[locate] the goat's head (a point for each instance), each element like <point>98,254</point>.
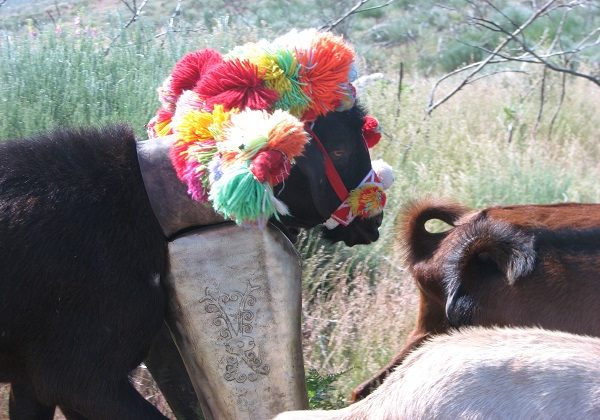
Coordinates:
<point>311,194</point>
<point>272,131</point>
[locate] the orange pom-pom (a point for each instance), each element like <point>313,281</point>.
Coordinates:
<point>287,136</point>
<point>325,67</point>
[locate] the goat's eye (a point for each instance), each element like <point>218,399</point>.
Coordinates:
<point>337,154</point>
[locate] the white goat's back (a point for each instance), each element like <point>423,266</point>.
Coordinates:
<point>479,373</point>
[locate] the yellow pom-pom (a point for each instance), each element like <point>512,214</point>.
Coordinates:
<point>194,127</point>
<point>274,76</point>
<point>202,126</point>
<point>367,200</point>
<point>163,128</point>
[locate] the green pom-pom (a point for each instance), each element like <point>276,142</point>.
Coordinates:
<point>239,196</point>
<point>292,97</point>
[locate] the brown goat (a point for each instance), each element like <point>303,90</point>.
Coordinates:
<point>526,265</point>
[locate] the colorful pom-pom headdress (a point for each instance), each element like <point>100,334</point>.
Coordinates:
<point>239,120</point>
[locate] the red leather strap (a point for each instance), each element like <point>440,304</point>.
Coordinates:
<point>332,174</point>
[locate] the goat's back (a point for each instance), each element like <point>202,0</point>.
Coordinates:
<point>480,373</point>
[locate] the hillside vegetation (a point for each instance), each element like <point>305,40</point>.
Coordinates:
<point>512,137</point>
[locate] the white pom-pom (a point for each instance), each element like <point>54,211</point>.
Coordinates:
<point>384,171</point>
<point>280,207</point>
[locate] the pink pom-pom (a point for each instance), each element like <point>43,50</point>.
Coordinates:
<point>235,84</point>
<point>163,115</point>
<point>191,68</point>
<point>270,166</point>
<point>194,181</point>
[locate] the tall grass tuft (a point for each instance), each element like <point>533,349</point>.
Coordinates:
<point>67,78</point>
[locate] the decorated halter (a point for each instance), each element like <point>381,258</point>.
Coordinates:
<point>241,120</point>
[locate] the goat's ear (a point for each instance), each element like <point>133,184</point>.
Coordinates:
<point>485,241</point>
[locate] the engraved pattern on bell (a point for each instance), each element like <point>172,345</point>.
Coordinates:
<point>232,314</point>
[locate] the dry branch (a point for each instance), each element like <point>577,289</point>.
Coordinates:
<point>399,91</point>
<point>355,9</point>
<point>522,51</point>
<point>477,67</point>
<point>171,26</point>
<point>136,11</point>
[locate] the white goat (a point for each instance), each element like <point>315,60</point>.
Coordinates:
<point>482,373</point>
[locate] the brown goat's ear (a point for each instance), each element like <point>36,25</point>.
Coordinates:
<point>420,244</point>
<point>486,241</point>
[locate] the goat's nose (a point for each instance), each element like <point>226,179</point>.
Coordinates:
<point>378,219</point>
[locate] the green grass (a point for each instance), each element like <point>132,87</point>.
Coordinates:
<point>52,80</point>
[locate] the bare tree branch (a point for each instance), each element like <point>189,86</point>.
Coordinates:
<point>538,120</point>
<point>132,8</point>
<point>177,31</point>
<point>494,73</point>
<point>49,13</point>
<point>489,3</point>
<point>136,11</point>
<point>433,105</point>
<point>563,90</point>
<point>525,57</point>
<point>542,60</point>
<point>237,10</point>
<point>399,94</point>
<point>561,25</point>
<point>171,26</point>
<point>355,9</point>
<point>515,48</point>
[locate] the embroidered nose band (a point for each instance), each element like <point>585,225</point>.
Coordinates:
<point>366,200</point>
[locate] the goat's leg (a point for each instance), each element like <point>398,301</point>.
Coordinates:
<point>24,405</point>
<point>120,402</point>
<point>166,366</point>
<point>71,415</point>
<point>365,388</point>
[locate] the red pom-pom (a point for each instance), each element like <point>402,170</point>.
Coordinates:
<point>179,158</point>
<point>191,68</point>
<point>370,131</point>
<point>270,166</point>
<point>163,115</point>
<point>235,84</point>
